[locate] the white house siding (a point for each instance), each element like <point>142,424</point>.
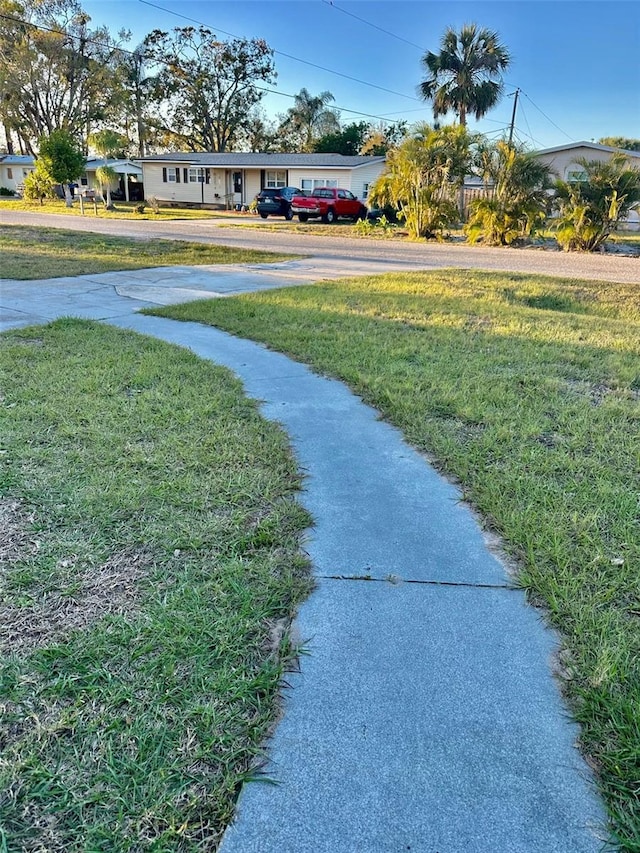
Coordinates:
<point>220,190</point>
<point>251,184</point>
<point>365,175</point>
<point>341,176</point>
<point>18,173</point>
<point>564,165</point>
<point>154,186</point>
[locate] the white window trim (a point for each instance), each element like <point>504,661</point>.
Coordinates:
<point>273,179</point>
<point>196,175</point>
<point>171,174</point>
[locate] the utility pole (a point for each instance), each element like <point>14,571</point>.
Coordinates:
<point>513,115</point>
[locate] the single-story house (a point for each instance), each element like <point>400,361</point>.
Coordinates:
<point>562,160</point>
<point>234,179</point>
<point>14,168</point>
<point>128,186</point>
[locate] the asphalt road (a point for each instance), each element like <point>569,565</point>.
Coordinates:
<point>357,255</point>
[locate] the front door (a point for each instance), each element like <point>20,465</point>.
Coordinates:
<point>235,187</point>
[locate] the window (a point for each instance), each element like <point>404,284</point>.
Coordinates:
<point>196,176</point>
<point>171,174</point>
<point>331,183</point>
<point>276,179</point>
<point>9,173</point>
<point>306,184</point>
<point>576,175</point>
<point>365,190</point>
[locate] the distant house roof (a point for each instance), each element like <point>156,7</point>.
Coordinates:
<point>594,146</point>
<point>122,166</point>
<point>17,160</point>
<point>264,161</point>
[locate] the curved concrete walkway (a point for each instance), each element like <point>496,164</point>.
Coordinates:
<point>424,717</point>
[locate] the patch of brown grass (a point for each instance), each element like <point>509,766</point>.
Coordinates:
<point>51,614</point>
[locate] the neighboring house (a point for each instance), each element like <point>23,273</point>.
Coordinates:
<point>14,168</point>
<point>127,187</point>
<point>562,160</point>
<point>230,180</point>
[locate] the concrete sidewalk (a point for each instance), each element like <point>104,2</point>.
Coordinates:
<point>424,717</point>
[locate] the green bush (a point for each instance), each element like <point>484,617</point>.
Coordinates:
<point>516,203</point>
<point>5,191</point>
<point>140,208</point>
<point>590,210</point>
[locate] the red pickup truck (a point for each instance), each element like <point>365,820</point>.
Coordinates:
<point>328,203</point>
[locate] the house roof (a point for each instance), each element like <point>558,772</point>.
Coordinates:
<point>594,146</point>
<point>124,165</point>
<point>264,161</point>
<point>17,159</point>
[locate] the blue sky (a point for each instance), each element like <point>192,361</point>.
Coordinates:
<point>577,63</point>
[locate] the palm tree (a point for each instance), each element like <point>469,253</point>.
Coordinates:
<point>107,143</point>
<point>106,176</point>
<point>516,200</point>
<point>421,177</point>
<point>465,76</point>
<point>309,118</point>
<point>590,209</point>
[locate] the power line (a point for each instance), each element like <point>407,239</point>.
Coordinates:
<point>548,119</point>
<point>282,53</point>
<point>530,135</point>
<point>163,62</point>
<point>369,24</point>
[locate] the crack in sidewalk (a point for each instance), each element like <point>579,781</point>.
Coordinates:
<point>395,579</point>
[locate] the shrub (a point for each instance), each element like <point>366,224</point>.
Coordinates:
<point>140,208</point>
<point>422,179</point>
<point>517,196</point>
<point>154,204</point>
<point>5,191</point>
<point>39,185</point>
<point>592,208</point>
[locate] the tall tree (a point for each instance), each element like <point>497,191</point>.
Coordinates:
<point>348,141</point>
<point>136,84</point>
<point>108,143</point>
<point>60,157</point>
<point>309,119</point>
<point>465,76</point>
<point>383,136</point>
<point>56,73</point>
<point>621,142</point>
<point>260,133</point>
<point>205,87</point>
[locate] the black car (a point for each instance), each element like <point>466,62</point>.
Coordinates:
<point>276,202</point>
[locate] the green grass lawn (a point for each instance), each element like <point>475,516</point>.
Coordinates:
<point>32,253</point>
<point>123,210</point>
<point>149,567</point>
<point>527,391</point>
